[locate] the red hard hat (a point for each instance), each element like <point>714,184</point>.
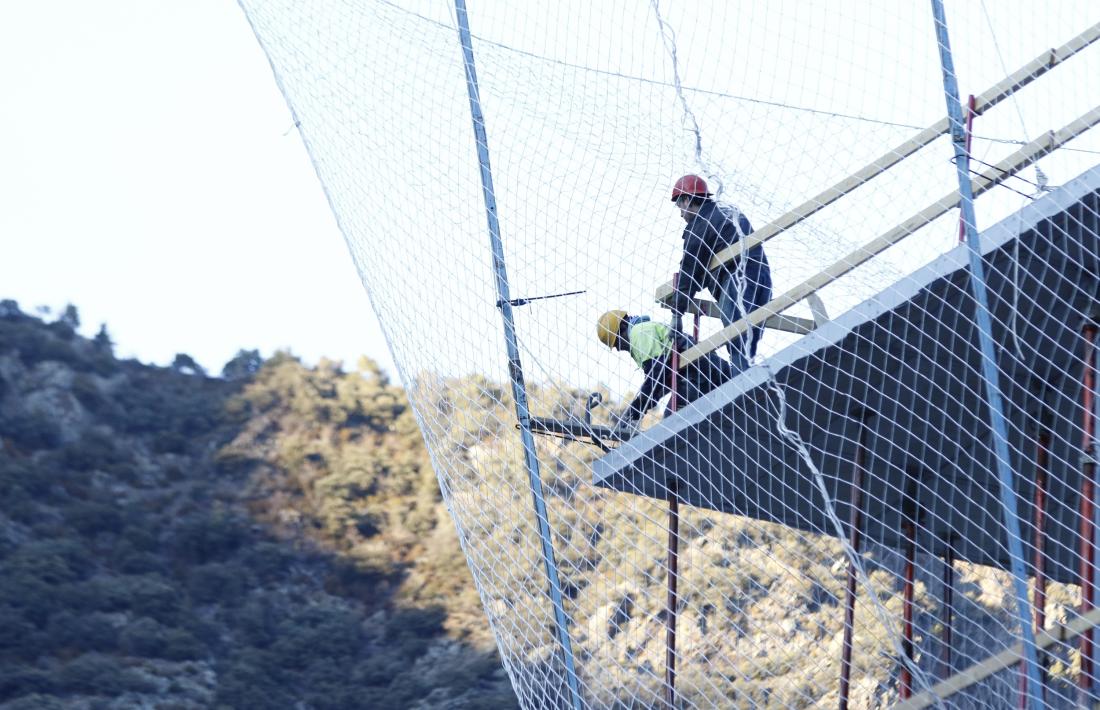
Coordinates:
<point>690,185</point>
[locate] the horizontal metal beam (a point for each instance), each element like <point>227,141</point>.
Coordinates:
<point>789,324</point>
<point>986,100</point>
<point>571,427</point>
<point>1011,165</point>
<point>979,671</point>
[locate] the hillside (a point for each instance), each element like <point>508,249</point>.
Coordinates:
<point>272,538</point>
<point>275,538</point>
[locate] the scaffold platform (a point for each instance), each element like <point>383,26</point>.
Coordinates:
<point>899,376</point>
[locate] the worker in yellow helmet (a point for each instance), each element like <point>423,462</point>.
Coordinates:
<point>650,344</point>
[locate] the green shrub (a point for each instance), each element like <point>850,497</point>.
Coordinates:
<point>50,561</point>
<point>96,674</point>
<point>145,594</point>
<point>169,442</point>
<point>69,632</point>
<point>91,519</point>
<point>139,535</point>
<point>19,680</point>
<point>317,633</point>
<point>19,636</point>
<point>31,431</point>
<point>88,393</point>
<point>37,702</point>
<point>146,638</point>
<point>256,623</point>
<point>152,595</point>
<point>250,681</point>
<point>20,476</point>
<point>95,450</point>
<point>32,598</point>
<point>208,538</point>
<point>36,344</point>
<point>137,562</point>
<point>216,582</point>
<point>267,561</point>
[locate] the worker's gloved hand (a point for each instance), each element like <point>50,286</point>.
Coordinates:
<point>680,303</point>
<point>625,427</point>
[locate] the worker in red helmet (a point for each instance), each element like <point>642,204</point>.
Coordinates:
<point>741,285</point>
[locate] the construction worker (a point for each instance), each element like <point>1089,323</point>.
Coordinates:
<point>741,285</point>
<point>650,344</point>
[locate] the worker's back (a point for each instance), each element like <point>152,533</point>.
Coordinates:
<point>648,340</point>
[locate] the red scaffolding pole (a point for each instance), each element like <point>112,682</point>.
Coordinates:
<point>907,610</point>
<point>854,540</point>
<point>948,608</point>
<point>671,601</point>
<point>1042,457</point>
<point>1085,678</point>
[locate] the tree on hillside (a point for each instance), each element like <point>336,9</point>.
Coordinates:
<point>243,365</point>
<point>185,364</point>
<point>102,340</point>
<point>9,309</point>
<point>70,316</point>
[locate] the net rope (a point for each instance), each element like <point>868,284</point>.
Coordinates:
<point>592,111</point>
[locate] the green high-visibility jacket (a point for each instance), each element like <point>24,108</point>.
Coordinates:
<point>651,348</point>
<point>648,340</point>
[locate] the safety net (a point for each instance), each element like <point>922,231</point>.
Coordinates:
<point>875,299</point>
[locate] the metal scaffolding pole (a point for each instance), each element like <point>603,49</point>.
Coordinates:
<point>907,610</point>
<point>947,607</point>
<point>1042,459</point>
<point>672,600</point>
<point>515,368</point>
<point>990,371</point>
<point>1086,679</point>
<point>854,540</point>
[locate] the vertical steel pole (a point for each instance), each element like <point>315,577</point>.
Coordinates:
<point>990,371</point>
<point>1042,457</point>
<point>907,608</point>
<point>854,539</point>
<point>672,600</point>
<point>1085,679</point>
<point>971,105</point>
<point>515,368</point>
<point>948,608</point>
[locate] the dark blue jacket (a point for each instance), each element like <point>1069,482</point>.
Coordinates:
<point>713,229</point>
<point>695,380</point>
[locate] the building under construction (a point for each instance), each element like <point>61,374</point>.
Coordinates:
<point>895,504</point>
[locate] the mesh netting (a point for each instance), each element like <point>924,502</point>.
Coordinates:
<point>834,517</point>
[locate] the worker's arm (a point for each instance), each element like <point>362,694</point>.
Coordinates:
<point>693,264</point>
<point>654,387</point>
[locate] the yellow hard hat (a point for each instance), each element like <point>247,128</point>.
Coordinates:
<point>607,327</point>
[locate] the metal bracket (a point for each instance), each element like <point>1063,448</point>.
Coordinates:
<point>817,308</point>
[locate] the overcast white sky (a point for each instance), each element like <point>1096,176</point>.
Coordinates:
<point>150,176</point>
